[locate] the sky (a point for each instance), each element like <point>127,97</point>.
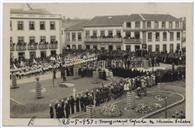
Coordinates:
<point>89,10</point>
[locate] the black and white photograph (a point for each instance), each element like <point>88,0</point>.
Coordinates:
<point>95,64</point>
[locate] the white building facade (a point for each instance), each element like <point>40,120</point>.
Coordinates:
<point>34,34</point>
<point>156,33</point>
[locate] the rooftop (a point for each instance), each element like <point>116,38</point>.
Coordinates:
<point>100,21</point>
<point>77,27</point>
<point>30,11</point>
<point>159,17</point>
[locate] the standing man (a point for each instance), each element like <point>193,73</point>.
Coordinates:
<point>54,73</point>
<point>67,108</point>
<point>51,111</point>
<point>72,102</point>
<point>77,103</point>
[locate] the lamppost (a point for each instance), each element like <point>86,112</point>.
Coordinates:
<point>164,98</point>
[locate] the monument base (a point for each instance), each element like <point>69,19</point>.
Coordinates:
<point>14,87</point>
<point>66,85</point>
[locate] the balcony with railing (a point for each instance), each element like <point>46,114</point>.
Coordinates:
<point>43,45</point>
<point>133,41</point>
<point>53,45</point>
<point>21,46</point>
<point>32,46</point>
<point>101,39</point>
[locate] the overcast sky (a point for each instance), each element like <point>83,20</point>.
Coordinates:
<point>89,10</point>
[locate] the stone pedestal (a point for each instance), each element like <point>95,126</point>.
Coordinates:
<point>14,82</point>
<point>145,63</point>
<point>95,74</point>
<point>90,112</point>
<point>38,90</point>
<point>76,72</point>
<point>130,99</point>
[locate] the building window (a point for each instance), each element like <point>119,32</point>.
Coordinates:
<point>87,34</point>
<point>10,25</point>
<point>149,24</point>
<point>164,36</point>
<point>73,36</point>
<point>149,48</point>
<point>157,48</point>
<point>87,47</point>
<point>102,33</point>
<point>137,24</point>
<point>171,48</point>
<point>177,24</point>
<point>42,38</point>
<point>52,25</point>
<point>73,46</point>
<point>178,35</point>
<point>79,36</point>
<point>52,39</point>
<point>170,24</point>
<point>149,36</point>
<point>128,24</point>
<point>163,24</point>
<point>110,33</point>
<point>164,48</point>
<point>118,33</point>
<point>32,39</point>
<point>67,36</point>
<point>68,46</point>
<point>156,24</point>
<point>42,25</point>
<point>31,25</point>
<point>171,36</point>
<point>11,41</point>
<point>157,36</point>
<point>178,46</point>
<point>128,47</point>
<point>20,25</point>
<point>118,47</point>
<point>137,35</point>
<point>95,47</point>
<point>127,34</point>
<point>20,39</point>
<point>79,46</point>
<point>94,34</point>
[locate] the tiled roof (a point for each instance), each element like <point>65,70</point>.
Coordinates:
<point>159,17</point>
<point>118,20</point>
<point>78,26</point>
<point>101,21</point>
<point>135,17</point>
<point>30,11</point>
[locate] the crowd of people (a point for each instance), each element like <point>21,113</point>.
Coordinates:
<point>121,63</point>
<point>64,108</point>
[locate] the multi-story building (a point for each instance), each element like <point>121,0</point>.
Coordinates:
<point>154,32</point>
<point>74,36</point>
<point>34,33</point>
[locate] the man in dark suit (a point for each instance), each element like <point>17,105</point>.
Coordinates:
<point>77,103</point>
<point>82,102</point>
<point>67,108</point>
<point>51,111</point>
<point>72,102</point>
